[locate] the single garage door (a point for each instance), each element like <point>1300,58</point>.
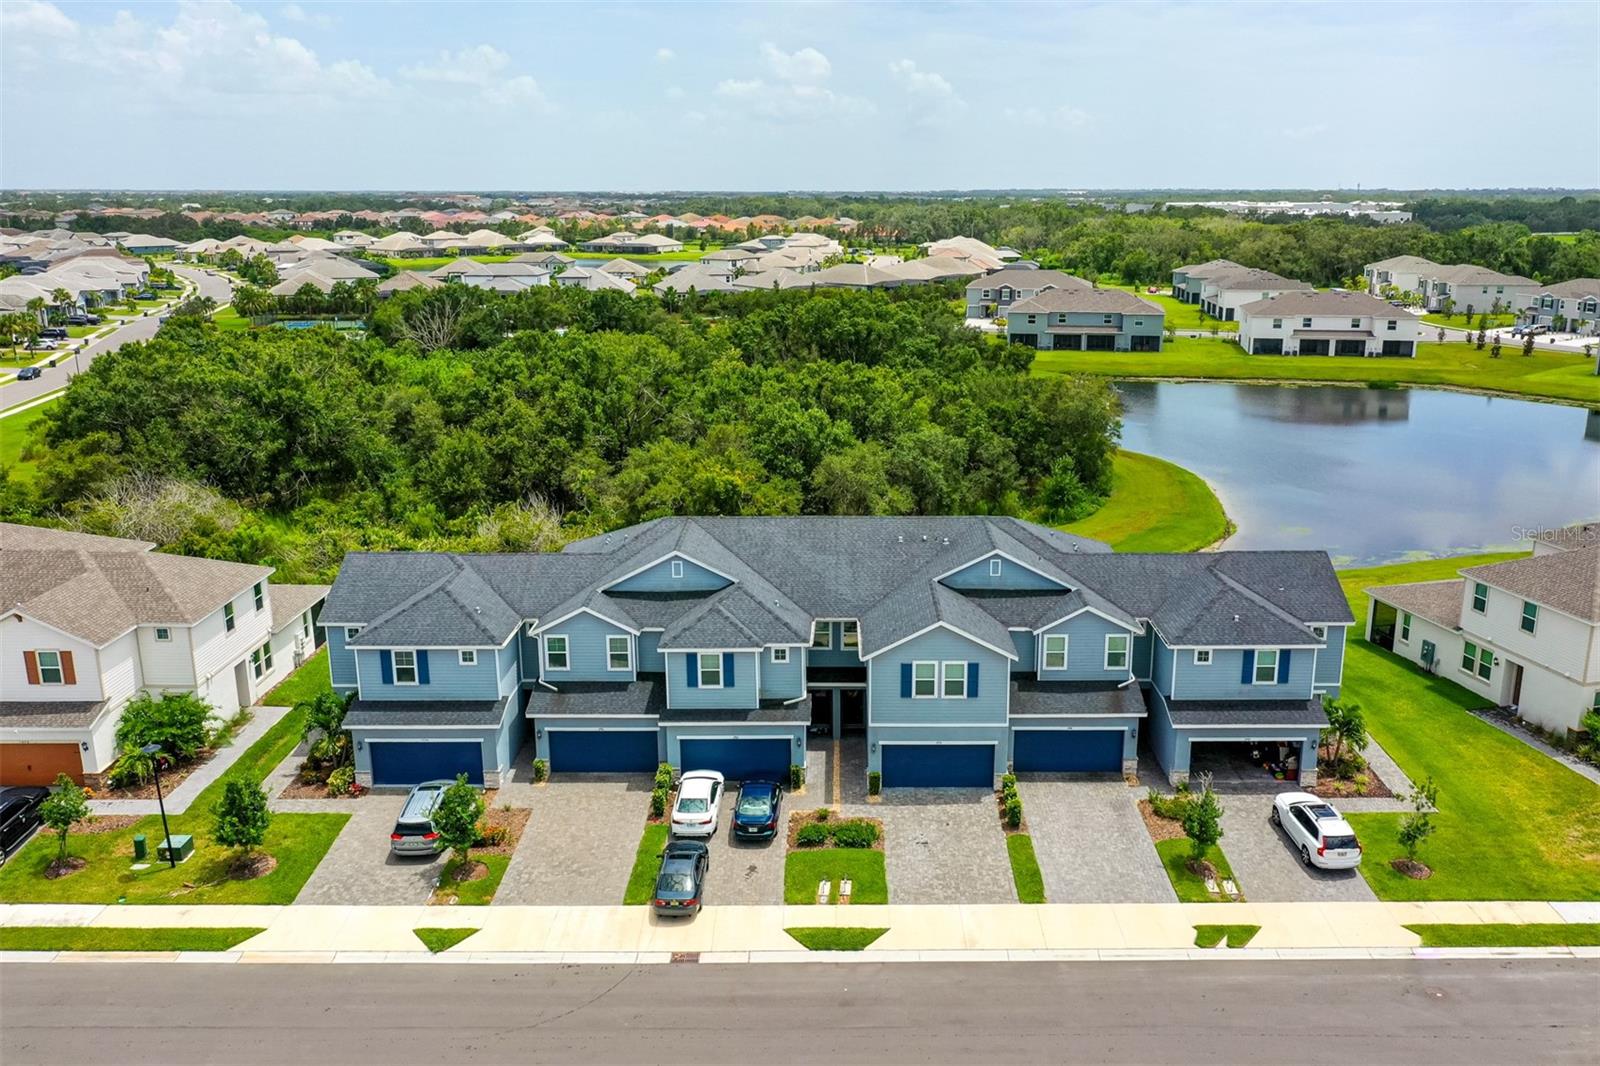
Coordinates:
<point>38,764</point>
<point>938,766</point>
<point>751,759</point>
<point>599,751</point>
<point>1067,750</point>
<point>412,762</point>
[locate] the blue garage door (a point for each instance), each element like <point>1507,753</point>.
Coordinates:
<point>1068,750</point>
<point>592,751</point>
<point>766,759</point>
<point>395,763</point>
<point>938,765</point>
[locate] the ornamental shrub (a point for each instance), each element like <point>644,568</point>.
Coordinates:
<point>811,835</point>
<point>856,833</point>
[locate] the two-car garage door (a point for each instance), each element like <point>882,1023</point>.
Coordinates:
<point>938,765</point>
<point>599,751</point>
<point>1067,750</point>
<point>396,762</point>
<point>738,758</point>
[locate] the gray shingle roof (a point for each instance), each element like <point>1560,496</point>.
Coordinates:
<point>369,713</point>
<point>647,695</point>
<point>1306,714</point>
<point>1091,301</point>
<point>1033,697</point>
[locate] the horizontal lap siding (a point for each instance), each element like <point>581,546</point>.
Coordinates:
<point>1023,643</point>
<point>447,678</point>
<point>741,694</point>
<point>1086,650</point>
<point>586,650</point>
<point>1330,660</point>
<point>885,704</point>
<point>650,658</point>
<point>835,654</point>
<point>341,660</point>
<point>1220,680</point>
<point>1012,576</point>
<point>782,681</point>
<point>659,578</point>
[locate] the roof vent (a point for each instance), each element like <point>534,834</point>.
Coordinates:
<point>924,538</point>
<point>946,541</point>
<point>1235,618</point>
<point>899,538</point>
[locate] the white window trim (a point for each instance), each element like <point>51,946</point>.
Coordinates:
<point>676,567</point>
<point>777,651</point>
<point>1524,618</point>
<point>167,639</point>
<point>1463,659</point>
<point>925,662</point>
<point>1472,598</point>
<point>1044,652</point>
<point>827,628</point>
<point>416,676</point>
<point>61,672</point>
<point>1127,651</point>
<point>229,618</point>
<point>1320,632</point>
<point>1405,627</point>
<point>995,567</point>
<point>1207,661</point>
<point>255,662</point>
<point>945,680</point>
<point>715,658</point>
<point>258,595</point>
<point>467,657</point>
<point>1255,667</point>
<point>566,652</point>
<point>846,643</point>
<point>627,651</point>
<point>351,633</point>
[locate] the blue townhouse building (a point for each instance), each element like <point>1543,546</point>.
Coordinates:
<point>959,647</point>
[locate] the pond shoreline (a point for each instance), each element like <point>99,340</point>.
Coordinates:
<point>1318,383</point>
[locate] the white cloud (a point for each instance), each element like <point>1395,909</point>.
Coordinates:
<point>32,18</point>
<point>665,55</point>
<point>806,65</point>
<point>1062,116</point>
<point>1305,133</point>
<point>921,82</point>
<point>931,100</point>
<point>296,13</point>
<point>482,68</point>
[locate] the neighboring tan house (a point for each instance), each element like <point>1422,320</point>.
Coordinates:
<point>1569,306</point>
<point>1086,319</point>
<point>92,621</point>
<point>1523,634</point>
<point>1327,323</point>
<point>992,295</point>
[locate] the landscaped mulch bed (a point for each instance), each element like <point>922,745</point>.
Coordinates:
<point>513,821</point>
<point>1158,827</point>
<point>171,778</point>
<point>310,790</point>
<point>797,819</point>
<point>1365,784</point>
<point>1000,809</point>
<point>64,867</point>
<point>1415,870</point>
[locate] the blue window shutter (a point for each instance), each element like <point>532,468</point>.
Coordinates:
<point>1283,667</point>
<point>972,681</point>
<point>692,661</point>
<point>422,666</point>
<point>727,669</point>
<point>905,681</point>
<point>386,666</point>
<point>1248,670</point>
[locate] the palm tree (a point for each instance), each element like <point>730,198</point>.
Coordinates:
<point>62,298</point>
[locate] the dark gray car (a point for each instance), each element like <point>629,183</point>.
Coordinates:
<point>413,830</point>
<point>680,886</point>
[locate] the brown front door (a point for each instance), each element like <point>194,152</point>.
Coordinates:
<point>1516,684</point>
<point>38,764</point>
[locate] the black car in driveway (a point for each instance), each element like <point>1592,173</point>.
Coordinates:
<point>680,886</point>
<point>755,812</point>
<point>19,815</point>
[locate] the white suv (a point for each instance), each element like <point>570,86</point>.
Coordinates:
<point>1323,838</point>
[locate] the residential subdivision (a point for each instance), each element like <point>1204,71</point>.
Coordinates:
<point>952,648</point>
<point>1460,286</point>
<point>1086,319</point>
<point>1569,306</point>
<point>1327,323</point>
<point>93,621</point>
<point>992,295</point>
<point>1524,634</point>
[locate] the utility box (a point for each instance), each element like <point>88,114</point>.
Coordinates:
<point>141,848</point>
<point>179,847</point>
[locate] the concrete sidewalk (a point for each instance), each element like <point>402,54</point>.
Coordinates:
<point>972,931</point>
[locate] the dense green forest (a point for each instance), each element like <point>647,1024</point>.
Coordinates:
<point>473,420</point>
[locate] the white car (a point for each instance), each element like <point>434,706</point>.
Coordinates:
<point>694,814</point>
<point>1323,838</point>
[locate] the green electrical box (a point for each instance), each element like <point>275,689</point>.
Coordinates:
<point>141,848</point>
<point>179,846</point>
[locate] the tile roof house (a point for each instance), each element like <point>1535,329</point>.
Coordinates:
<point>1077,318</point>
<point>1523,634</point>
<point>92,621</point>
<point>960,646</point>
<point>1327,323</point>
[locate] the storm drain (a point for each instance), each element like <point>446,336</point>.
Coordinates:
<point>685,956</point>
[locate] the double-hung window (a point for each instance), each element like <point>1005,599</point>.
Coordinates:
<point>50,668</point>
<point>1477,660</point>
<point>1055,651</point>
<point>1266,671</point>
<point>405,668</point>
<point>555,652</point>
<point>1480,597</point>
<point>822,634</point>
<point>1305,323</point>
<point>1530,616</point>
<point>1116,651</point>
<point>711,671</point>
<point>1405,627</point>
<point>618,654</point>
<point>255,662</point>
<point>260,595</point>
<point>850,635</point>
<point>227,617</point>
<point>924,680</point>
<point>1355,323</point>
<point>955,680</point>
<point>266,656</point>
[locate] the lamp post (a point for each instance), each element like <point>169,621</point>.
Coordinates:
<point>154,751</point>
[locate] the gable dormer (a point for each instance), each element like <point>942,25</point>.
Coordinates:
<point>1001,572</point>
<point>674,572</point>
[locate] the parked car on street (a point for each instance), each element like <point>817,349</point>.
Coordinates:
<point>680,885</point>
<point>1321,835</point>
<point>19,816</point>
<point>28,373</point>
<point>413,831</point>
<point>694,813</point>
<point>755,812</point>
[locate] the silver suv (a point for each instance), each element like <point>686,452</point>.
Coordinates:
<point>413,830</point>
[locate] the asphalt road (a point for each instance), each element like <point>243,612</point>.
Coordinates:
<point>1405,1011</point>
<point>137,329</point>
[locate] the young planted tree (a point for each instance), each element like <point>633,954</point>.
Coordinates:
<point>455,819</point>
<point>1417,827</point>
<point>1483,337</point>
<point>1494,349</point>
<point>61,810</point>
<point>1202,820</point>
<point>241,822</point>
<point>1527,344</point>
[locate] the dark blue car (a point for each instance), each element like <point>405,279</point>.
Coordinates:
<point>755,813</point>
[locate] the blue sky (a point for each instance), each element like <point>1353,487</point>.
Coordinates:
<point>797,96</point>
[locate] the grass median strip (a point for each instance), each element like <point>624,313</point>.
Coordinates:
<point>1508,935</point>
<point>1237,936</point>
<point>863,867</point>
<point>1025,868</point>
<point>107,938</point>
<point>437,940</point>
<point>834,938</point>
<point>646,864</point>
<point>1190,886</point>
<point>476,893</point>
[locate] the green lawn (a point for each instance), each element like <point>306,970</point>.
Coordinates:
<point>437,940</point>
<point>1533,935</point>
<point>802,871</point>
<point>86,938</point>
<point>16,431</point>
<point>1237,936</point>
<point>309,681</point>
<point>1155,506</point>
<point>229,319</point>
<point>1179,314</point>
<point>297,841</point>
<point>1191,889</point>
<point>1545,374</point>
<point>477,893</point>
<point>1459,320</point>
<point>834,938</point>
<point>1512,823</point>
<point>1025,868</point>
<point>646,864</point>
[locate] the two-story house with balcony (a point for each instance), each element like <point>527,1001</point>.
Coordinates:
<point>1570,306</point>
<point>1086,319</point>
<point>92,621</point>
<point>952,647</point>
<point>1327,323</point>
<point>992,295</point>
<point>1523,634</point>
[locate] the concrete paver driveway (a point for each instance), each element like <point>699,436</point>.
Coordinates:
<point>746,872</point>
<point>1268,867</point>
<point>942,845</point>
<point>359,868</point>
<point>580,841</point>
<point>1091,843</point>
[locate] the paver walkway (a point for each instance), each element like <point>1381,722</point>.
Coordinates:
<point>178,800</point>
<point>580,841</point>
<point>1091,842</point>
<point>359,869</point>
